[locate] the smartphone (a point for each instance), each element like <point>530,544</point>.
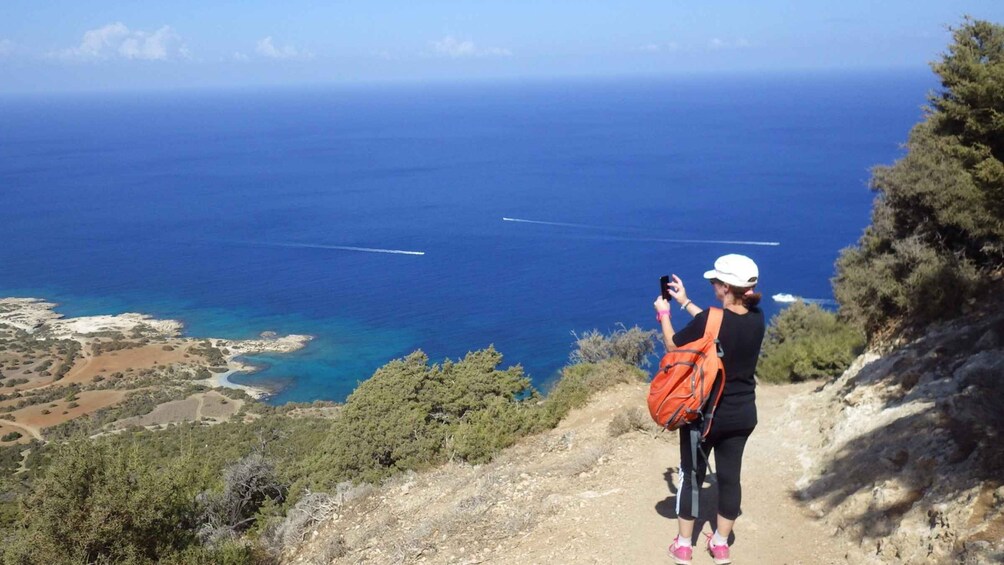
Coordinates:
<point>664,287</point>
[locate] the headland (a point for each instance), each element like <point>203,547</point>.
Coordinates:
<point>59,374</point>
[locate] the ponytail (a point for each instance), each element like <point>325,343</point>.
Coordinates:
<point>747,296</point>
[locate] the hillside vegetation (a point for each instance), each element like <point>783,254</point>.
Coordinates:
<point>239,491</point>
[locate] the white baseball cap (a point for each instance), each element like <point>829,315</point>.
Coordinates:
<point>734,270</point>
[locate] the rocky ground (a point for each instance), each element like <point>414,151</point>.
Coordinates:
<point>580,494</point>
<point>906,454</point>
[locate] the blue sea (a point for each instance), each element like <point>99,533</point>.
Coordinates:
<point>237,211</point>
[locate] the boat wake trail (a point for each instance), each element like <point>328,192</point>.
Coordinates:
<point>560,224</point>
<point>786,298</point>
<point>334,247</point>
<point>657,240</point>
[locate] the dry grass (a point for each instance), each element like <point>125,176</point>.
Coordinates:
<point>583,460</point>
<point>185,410</point>
<point>632,419</point>
<point>219,407</point>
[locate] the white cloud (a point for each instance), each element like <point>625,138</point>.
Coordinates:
<point>116,41</point>
<point>267,48</point>
<point>238,56</point>
<point>6,47</point>
<point>454,48</point>
<point>717,43</point>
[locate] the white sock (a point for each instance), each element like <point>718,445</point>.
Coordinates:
<point>718,539</point>
<point>682,541</point>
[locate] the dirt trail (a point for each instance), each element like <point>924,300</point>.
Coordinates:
<point>576,495</point>
<point>629,516</point>
<point>33,431</point>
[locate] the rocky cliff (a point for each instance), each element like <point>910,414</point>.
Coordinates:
<point>907,458</point>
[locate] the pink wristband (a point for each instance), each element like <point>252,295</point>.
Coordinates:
<point>660,314</point>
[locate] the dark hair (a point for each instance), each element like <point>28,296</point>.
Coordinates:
<point>749,300</point>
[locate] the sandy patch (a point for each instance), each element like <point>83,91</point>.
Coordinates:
<point>234,366</point>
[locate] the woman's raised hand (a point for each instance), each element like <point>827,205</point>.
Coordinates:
<point>677,290</point>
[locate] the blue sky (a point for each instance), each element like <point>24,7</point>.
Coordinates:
<point>100,45</point>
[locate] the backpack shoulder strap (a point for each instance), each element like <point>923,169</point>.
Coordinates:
<point>714,322</point>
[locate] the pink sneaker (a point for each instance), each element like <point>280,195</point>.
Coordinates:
<point>681,555</point>
<point>720,553</point>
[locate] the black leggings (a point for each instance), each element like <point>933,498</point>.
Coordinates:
<point>728,446</point>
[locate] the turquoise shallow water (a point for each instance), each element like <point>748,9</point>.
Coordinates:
<point>338,348</point>
<point>234,211</point>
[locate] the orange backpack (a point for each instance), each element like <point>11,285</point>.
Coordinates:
<point>686,388</point>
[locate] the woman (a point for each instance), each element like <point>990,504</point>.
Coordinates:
<point>734,279</point>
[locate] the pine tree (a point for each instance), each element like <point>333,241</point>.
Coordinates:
<point>937,235</point>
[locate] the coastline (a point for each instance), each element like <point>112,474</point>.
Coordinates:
<point>222,380</point>
<point>38,317</point>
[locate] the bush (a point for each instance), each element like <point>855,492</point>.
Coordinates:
<point>806,342</point>
<point>95,504</point>
<point>247,486</point>
<point>405,414</point>
<point>633,346</point>
<point>12,436</point>
<point>629,420</point>
<point>312,509</point>
<point>486,432</point>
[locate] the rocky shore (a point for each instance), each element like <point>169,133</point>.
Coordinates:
<point>38,318</point>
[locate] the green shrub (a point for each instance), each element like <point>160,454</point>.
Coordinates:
<point>404,415</point>
<point>911,281</point>
<point>485,432</point>
<point>94,504</point>
<point>806,342</point>
<point>12,436</point>
<point>226,553</point>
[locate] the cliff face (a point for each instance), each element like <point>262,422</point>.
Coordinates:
<point>907,457</point>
